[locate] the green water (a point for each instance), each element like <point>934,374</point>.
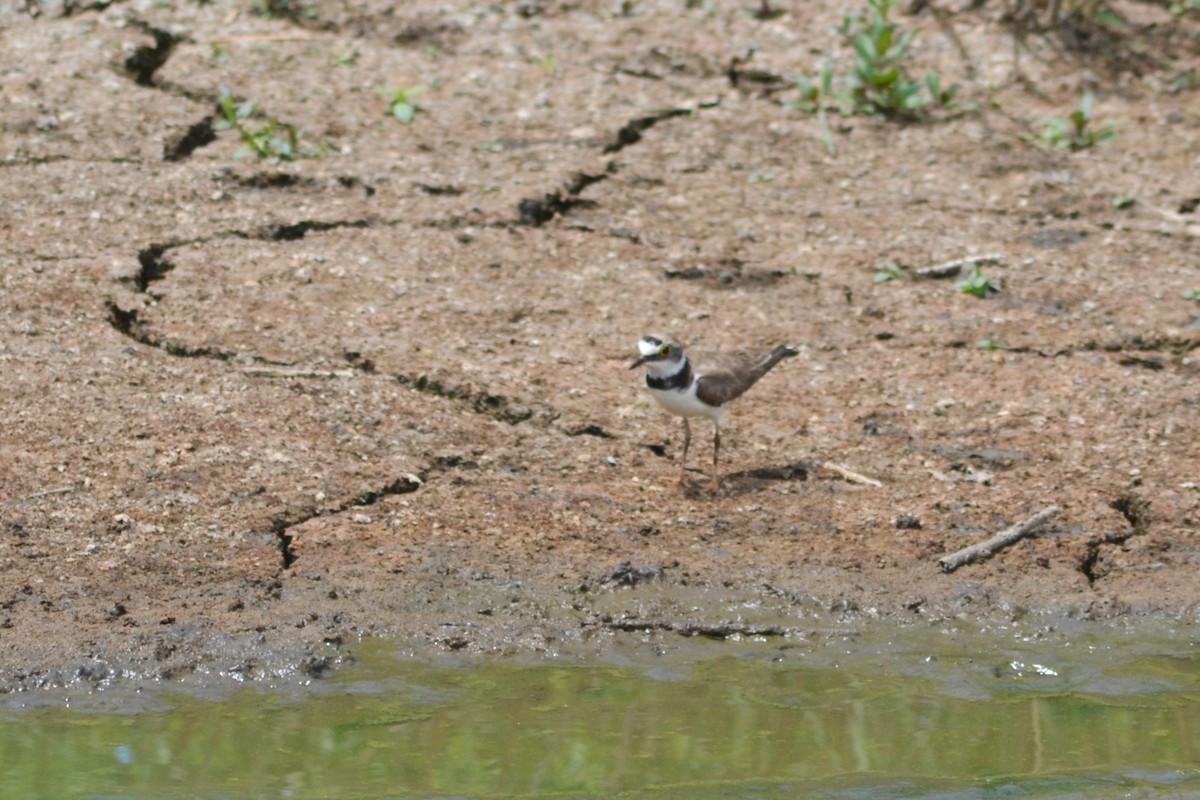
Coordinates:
<point>857,719</point>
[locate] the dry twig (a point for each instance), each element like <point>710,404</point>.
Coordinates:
<point>48,492</point>
<point>851,475</point>
<point>1002,539</point>
<point>952,268</point>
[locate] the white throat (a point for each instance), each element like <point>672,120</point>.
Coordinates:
<point>665,369</point>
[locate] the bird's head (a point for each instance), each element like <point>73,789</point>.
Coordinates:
<point>660,354</point>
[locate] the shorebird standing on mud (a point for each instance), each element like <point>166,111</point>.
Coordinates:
<point>700,385</point>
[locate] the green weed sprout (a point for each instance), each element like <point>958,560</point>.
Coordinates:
<point>879,84</point>
<point>400,103</point>
<point>271,139</point>
<point>977,284</point>
<point>1184,81</point>
<point>991,343</point>
<point>887,272</point>
<point>813,97</point>
<point>1076,131</point>
<point>1193,295</point>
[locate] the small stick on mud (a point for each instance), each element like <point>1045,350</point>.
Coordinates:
<point>280,372</point>
<point>48,492</point>
<point>1004,538</point>
<point>851,475</point>
<point>952,268</point>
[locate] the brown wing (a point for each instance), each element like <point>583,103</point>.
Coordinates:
<point>726,376</point>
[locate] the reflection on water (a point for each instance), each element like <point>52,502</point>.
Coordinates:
<point>951,727</point>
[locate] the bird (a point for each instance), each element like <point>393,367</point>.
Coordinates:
<point>700,385</point>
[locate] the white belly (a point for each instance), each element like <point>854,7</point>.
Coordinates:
<point>685,404</point>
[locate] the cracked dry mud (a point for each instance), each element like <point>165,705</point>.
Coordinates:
<point>254,411</point>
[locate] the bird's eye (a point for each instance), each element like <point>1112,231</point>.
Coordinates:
<point>664,350</point>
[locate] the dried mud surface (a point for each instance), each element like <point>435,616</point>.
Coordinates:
<point>252,411</point>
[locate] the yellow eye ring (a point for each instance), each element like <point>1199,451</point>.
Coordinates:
<point>664,350</point>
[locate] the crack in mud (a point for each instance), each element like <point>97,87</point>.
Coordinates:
<point>281,526</point>
<point>535,212</point>
<point>591,429</point>
<point>481,402</point>
<point>153,266</point>
<point>127,323</point>
<point>197,135</point>
<point>298,230</point>
<point>1136,510</point>
<point>731,273</point>
<point>146,60</point>
<point>631,132</point>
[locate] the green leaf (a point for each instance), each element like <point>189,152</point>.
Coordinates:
<point>990,343</point>
<point>887,272</point>
<point>886,78</point>
<point>914,100</point>
<point>865,49</point>
<point>883,41</point>
<point>1085,105</point>
<point>976,284</point>
<point>902,47</point>
<point>404,112</point>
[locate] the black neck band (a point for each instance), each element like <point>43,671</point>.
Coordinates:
<point>680,380</point>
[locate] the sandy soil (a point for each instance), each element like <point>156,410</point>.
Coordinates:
<point>254,410</point>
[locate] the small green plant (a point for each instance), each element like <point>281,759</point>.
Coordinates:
<point>1076,130</point>
<point>879,84</point>
<point>1193,295</point>
<point>1124,200</point>
<point>546,62</point>
<point>813,99</point>
<point>400,103</point>
<point>990,343</point>
<point>1185,81</point>
<point>977,284</point>
<point>887,272</point>
<point>271,139</point>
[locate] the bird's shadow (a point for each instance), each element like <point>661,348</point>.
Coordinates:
<point>751,480</point>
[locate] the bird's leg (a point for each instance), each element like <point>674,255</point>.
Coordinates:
<point>687,440</point>
<point>716,480</point>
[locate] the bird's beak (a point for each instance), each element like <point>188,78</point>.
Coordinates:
<point>641,360</point>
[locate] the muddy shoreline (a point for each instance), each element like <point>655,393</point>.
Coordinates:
<point>257,409</point>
